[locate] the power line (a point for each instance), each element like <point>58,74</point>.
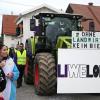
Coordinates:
<point>15,3</point>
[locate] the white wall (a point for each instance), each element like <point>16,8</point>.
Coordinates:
<point>26,22</point>
<point>0,24</point>
<point>10,40</point>
<point>26,29</point>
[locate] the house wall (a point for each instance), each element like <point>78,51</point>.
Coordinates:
<point>10,41</point>
<point>26,22</point>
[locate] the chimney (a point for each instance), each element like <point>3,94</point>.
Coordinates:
<point>12,13</point>
<point>90,3</point>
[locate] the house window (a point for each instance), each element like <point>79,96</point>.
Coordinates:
<point>91,26</point>
<point>19,29</point>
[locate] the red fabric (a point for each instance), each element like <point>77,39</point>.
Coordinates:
<point>1,98</point>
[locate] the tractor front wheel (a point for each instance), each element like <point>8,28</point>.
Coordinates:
<point>44,74</point>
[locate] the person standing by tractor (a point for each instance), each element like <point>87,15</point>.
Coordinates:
<point>12,52</point>
<point>17,47</point>
<point>21,62</point>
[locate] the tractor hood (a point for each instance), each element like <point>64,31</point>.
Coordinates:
<point>64,42</point>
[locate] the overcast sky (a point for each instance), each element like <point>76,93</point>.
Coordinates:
<point>19,6</point>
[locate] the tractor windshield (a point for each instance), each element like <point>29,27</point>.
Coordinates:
<point>59,26</point>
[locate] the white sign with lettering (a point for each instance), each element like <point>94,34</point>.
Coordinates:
<point>85,40</point>
<point>78,71</point>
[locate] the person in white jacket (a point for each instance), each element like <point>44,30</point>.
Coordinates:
<point>11,72</point>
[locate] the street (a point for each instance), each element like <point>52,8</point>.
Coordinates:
<point>26,92</point>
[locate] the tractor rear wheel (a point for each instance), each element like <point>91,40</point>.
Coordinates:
<point>45,74</point>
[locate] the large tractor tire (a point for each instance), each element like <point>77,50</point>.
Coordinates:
<point>28,74</point>
<point>45,74</point>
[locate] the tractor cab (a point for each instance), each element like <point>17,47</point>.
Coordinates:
<point>51,26</point>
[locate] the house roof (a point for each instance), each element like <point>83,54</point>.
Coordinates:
<point>88,12</point>
<point>39,7</point>
<point>9,24</point>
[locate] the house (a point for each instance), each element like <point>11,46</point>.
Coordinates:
<point>23,21</point>
<point>9,30</point>
<point>90,13</point>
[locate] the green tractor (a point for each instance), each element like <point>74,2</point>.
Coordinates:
<point>52,31</point>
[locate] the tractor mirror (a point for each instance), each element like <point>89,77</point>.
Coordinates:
<point>32,24</point>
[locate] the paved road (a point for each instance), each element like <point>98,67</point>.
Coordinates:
<point>26,92</point>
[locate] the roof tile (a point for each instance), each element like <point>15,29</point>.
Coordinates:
<point>9,24</point>
<point>88,11</point>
